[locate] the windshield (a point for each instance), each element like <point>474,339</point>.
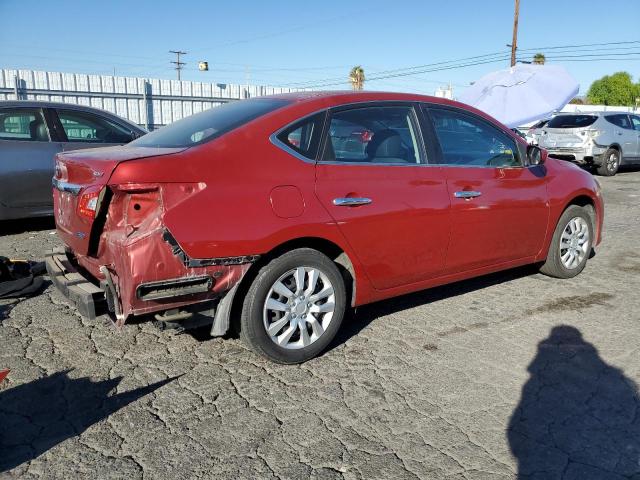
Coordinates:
<point>571,121</point>
<point>210,124</point>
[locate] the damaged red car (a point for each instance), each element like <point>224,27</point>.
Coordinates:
<point>274,215</point>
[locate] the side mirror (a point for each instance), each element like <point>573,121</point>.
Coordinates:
<point>535,155</point>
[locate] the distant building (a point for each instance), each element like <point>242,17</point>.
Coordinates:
<point>444,92</point>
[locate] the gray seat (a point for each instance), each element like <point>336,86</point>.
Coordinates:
<point>386,147</point>
<point>38,130</point>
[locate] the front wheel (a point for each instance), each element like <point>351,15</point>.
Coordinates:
<point>571,244</point>
<point>610,163</point>
<point>294,307</point>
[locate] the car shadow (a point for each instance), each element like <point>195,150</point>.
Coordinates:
<point>14,227</point>
<point>577,417</point>
<point>628,169</point>
<point>38,415</point>
<point>359,318</point>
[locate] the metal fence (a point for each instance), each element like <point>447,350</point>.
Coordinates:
<point>149,102</point>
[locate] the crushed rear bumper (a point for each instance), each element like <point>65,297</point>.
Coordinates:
<point>94,295</point>
<point>87,297</point>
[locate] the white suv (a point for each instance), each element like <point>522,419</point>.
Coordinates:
<point>604,140</point>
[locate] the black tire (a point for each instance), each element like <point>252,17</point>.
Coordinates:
<point>252,327</point>
<point>610,163</point>
<point>554,266</point>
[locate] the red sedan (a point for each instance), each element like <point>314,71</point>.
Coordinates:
<point>275,214</point>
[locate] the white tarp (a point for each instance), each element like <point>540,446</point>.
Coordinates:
<point>523,93</point>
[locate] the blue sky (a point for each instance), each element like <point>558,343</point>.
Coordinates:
<point>293,42</point>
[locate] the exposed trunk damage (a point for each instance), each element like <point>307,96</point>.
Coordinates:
<point>116,234</point>
<point>142,266</point>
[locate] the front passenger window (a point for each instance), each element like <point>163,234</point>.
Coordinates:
<point>466,140</point>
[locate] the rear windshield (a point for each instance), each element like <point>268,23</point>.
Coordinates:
<point>571,121</point>
<point>205,126</point>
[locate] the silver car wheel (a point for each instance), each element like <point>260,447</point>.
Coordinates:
<point>612,162</point>
<point>574,243</point>
<point>299,308</point>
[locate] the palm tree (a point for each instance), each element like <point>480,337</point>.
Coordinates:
<point>539,59</point>
<point>357,78</point>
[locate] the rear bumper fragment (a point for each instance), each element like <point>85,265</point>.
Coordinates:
<point>88,298</point>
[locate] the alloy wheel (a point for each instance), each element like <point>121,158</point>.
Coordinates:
<point>574,243</point>
<point>612,162</point>
<point>299,307</point>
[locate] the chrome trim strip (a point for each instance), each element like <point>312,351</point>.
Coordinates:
<point>466,194</point>
<point>71,188</point>
<point>351,201</point>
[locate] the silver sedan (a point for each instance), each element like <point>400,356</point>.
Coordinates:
<point>31,133</point>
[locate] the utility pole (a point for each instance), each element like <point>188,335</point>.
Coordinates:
<point>179,65</point>
<point>514,42</point>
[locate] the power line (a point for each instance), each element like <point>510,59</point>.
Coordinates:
<point>606,51</point>
<point>451,64</point>
<point>580,46</point>
<point>485,56</point>
<point>404,74</point>
<point>593,55</point>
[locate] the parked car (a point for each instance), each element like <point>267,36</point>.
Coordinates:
<point>533,133</point>
<point>31,133</point>
<point>601,140</point>
<point>265,211</point>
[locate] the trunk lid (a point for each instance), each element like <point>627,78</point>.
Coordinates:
<point>563,137</point>
<point>79,180</point>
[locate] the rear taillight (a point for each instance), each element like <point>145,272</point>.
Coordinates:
<point>591,133</point>
<point>89,202</point>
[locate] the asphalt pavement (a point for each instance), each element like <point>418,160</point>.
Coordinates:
<point>510,374</point>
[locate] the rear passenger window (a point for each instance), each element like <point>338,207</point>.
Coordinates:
<point>635,120</point>
<point>621,121</point>
<point>469,141</point>
<point>89,128</point>
<point>383,135</point>
<point>23,124</point>
<point>572,121</point>
<point>304,136</point>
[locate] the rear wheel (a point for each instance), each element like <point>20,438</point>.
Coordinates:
<point>294,307</point>
<point>571,244</point>
<point>610,163</point>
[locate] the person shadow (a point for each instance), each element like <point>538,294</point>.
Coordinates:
<point>36,416</point>
<point>578,417</point>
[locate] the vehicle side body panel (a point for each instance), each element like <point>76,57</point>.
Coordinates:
<point>216,208</point>
<point>508,221</point>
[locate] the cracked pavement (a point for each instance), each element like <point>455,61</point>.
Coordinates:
<point>513,375</point>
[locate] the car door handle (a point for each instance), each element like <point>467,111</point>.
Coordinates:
<point>351,201</point>
<point>467,194</point>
